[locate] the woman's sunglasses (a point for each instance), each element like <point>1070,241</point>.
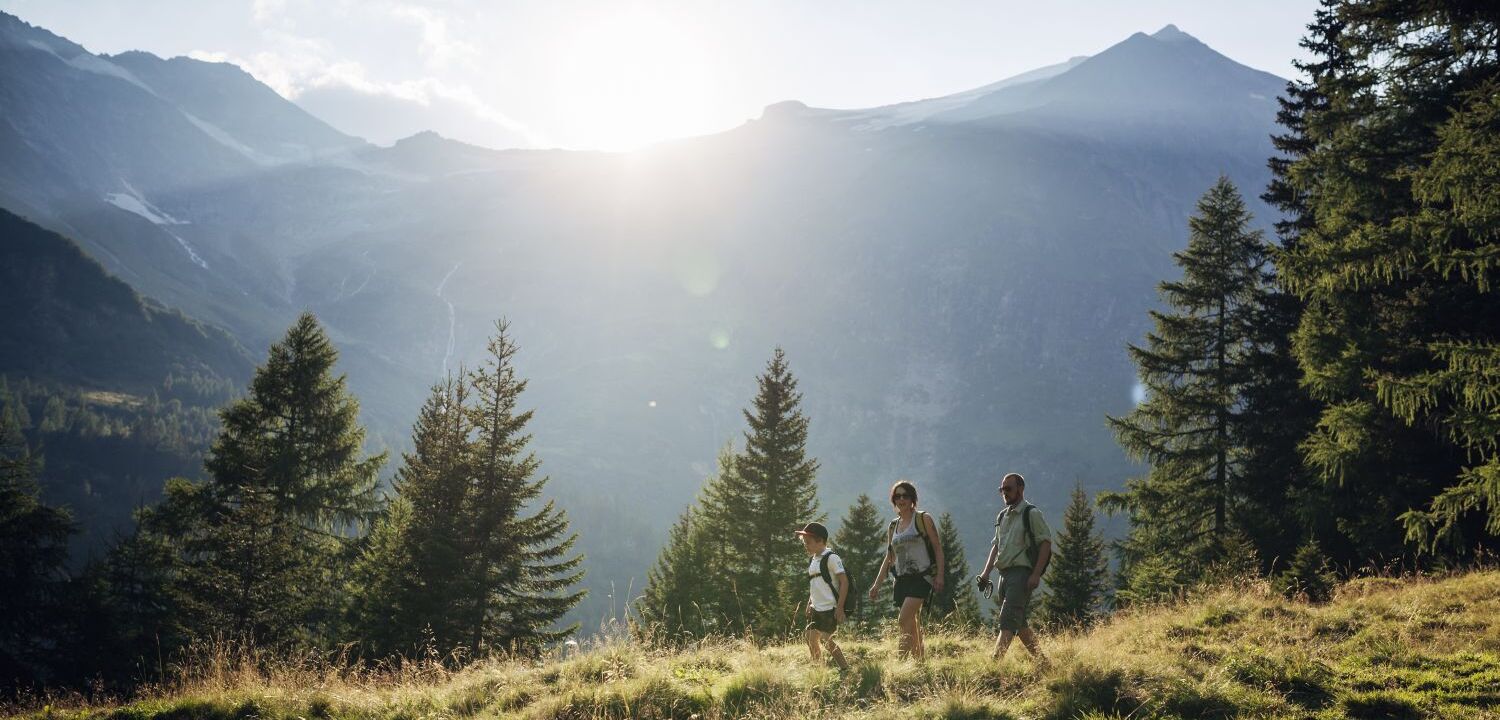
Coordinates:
<point>900,496</point>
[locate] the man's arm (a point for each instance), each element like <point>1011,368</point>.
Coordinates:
<point>989,562</point>
<point>1043,554</point>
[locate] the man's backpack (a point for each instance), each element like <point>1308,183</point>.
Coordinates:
<point>1033,548</point>
<point>851,598</point>
<point>921,532</point>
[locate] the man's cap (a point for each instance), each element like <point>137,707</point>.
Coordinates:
<point>816,530</point>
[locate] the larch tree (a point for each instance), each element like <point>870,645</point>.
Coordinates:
<point>1388,172</point>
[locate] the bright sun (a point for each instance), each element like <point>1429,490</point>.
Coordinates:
<point>632,77</point>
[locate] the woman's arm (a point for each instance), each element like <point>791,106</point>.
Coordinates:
<point>885,566</point>
<point>937,550</point>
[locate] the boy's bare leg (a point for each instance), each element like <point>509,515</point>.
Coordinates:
<point>813,645</point>
<point>835,653</point>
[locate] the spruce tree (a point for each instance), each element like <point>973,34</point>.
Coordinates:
<point>751,512</point>
<point>861,542</point>
<point>33,550</point>
<point>1390,170</point>
<point>693,589</point>
<point>522,574</point>
<point>1079,576</point>
<point>754,579</point>
<point>677,603</point>
<point>413,572</point>
<point>957,603</point>
<point>1195,366</point>
<point>264,540</point>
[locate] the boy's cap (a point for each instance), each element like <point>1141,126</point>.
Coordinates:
<point>816,530</point>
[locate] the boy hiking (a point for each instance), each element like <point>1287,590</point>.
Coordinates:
<point>827,588</point>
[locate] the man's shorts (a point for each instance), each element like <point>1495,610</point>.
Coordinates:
<point>1014,598</point>
<point>823,621</point>
<point>916,586</point>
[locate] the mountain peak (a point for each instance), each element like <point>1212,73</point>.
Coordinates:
<point>1171,33</point>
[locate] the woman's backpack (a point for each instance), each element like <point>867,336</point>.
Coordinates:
<point>921,532</point>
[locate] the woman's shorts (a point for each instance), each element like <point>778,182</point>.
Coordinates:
<point>915,586</point>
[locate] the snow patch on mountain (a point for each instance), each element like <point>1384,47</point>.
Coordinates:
<point>227,140</point>
<point>99,66</point>
<point>132,203</point>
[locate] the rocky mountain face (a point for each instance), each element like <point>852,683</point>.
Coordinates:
<point>954,280</point>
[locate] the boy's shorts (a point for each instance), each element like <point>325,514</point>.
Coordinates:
<point>823,621</point>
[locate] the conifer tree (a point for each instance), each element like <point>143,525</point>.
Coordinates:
<point>957,603</point>
<point>264,539</point>
<point>1079,575</point>
<point>783,496</point>
<point>413,572</point>
<point>746,517</point>
<point>678,602</point>
<point>33,549</point>
<point>1389,173</point>
<point>692,591</point>
<point>752,507</point>
<point>1195,366</point>
<point>860,542</point>
<point>522,572</point>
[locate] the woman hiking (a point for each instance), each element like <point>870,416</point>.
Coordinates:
<point>918,561</point>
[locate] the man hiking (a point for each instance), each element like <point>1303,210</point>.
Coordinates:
<point>827,589</point>
<point>1022,548</point>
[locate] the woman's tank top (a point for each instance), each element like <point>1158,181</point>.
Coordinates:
<point>912,557</point>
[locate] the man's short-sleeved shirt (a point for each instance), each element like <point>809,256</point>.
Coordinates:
<point>819,593</point>
<point>1010,535</point>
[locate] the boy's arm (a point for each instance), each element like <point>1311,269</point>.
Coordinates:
<point>838,605</point>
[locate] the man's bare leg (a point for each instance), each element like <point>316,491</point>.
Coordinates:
<point>1002,643</point>
<point>813,646</point>
<point>1028,639</point>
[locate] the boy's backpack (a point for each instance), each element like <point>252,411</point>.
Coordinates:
<point>851,598</point>
<point>1033,548</point>
<point>922,533</point>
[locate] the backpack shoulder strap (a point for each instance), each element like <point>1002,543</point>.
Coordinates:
<point>823,570</point>
<point>1026,523</point>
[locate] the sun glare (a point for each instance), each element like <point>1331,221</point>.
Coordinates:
<point>633,77</point>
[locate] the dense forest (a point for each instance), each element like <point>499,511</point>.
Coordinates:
<point>1318,403</point>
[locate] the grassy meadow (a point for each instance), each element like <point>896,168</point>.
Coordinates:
<point>1383,648</point>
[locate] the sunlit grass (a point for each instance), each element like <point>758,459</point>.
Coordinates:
<point>1383,648</point>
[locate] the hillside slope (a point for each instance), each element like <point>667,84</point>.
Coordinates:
<point>1384,648</point>
<point>70,321</point>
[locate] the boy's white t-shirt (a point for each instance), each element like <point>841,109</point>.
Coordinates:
<point>820,594</point>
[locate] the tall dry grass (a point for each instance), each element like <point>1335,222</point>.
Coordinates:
<point>1384,647</point>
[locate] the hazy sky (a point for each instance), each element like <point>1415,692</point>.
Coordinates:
<point>616,74</point>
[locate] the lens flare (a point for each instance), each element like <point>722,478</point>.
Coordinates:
<point>719,338</point>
